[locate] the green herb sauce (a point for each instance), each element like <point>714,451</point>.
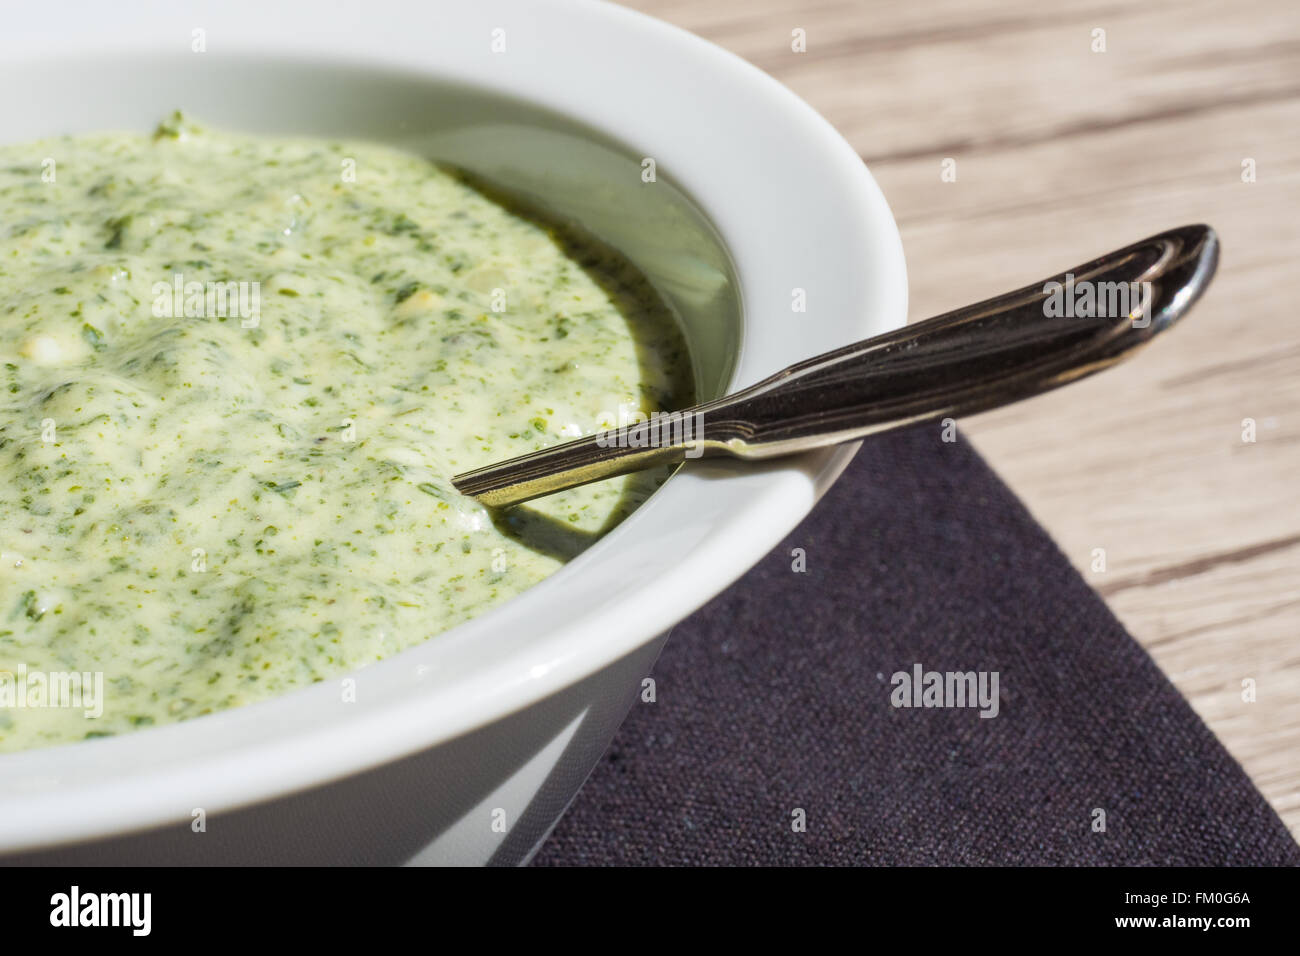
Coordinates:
<point>236,375</point>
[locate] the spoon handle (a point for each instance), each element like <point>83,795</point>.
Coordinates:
<point>970,360</point>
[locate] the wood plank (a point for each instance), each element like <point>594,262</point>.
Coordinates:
<point>1063,153</point>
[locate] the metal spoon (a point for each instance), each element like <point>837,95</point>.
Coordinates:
<point>979,357</point>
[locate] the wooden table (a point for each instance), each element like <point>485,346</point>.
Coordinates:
<point>1063,150</point>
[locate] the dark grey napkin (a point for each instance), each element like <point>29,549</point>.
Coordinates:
<point>776,699</point>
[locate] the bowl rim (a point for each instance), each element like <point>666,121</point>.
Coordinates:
<point>779,180</point>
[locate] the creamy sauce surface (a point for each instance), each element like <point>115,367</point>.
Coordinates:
<point>236,375</point>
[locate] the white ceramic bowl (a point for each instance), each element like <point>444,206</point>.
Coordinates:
<point>500,720</point>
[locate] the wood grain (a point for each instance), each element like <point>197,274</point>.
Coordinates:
<point>1063,153</point>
